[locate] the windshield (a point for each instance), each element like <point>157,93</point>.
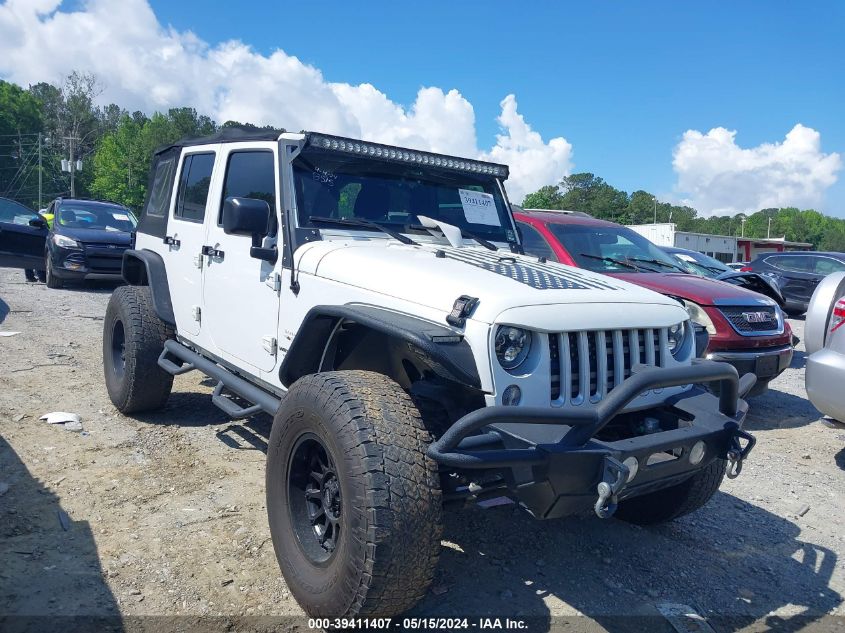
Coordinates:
<point>106,217</point>
<point>612,249</point>
<point>339,186</point>
<point>701,264</point>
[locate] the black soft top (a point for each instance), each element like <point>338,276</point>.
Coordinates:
<point>224,135</point>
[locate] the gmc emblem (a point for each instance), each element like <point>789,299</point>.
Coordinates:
<point>758,317</point>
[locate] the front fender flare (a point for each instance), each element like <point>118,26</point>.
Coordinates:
<point>146,268</point>
<point>436,344</point>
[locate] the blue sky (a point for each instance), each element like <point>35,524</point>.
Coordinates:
<point>726,106</point>
<point>621,81</point>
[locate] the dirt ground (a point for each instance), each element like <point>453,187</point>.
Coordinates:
<point>164,515</point>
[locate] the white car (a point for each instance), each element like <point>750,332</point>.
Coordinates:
<point>824,333</point>
<point>376,301</point>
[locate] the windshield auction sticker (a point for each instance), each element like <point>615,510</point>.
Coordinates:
<point>479,207</point>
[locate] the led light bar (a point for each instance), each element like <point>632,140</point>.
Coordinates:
<point>402,155</point>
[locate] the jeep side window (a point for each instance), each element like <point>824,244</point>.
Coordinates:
<point>250,174</point>
<point>534,244</point>
<point>159,200</point>
<point>193,187</point>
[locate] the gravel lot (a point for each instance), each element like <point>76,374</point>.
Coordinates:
<point>165,514</point>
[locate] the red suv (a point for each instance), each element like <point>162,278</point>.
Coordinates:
<point>746,329</point>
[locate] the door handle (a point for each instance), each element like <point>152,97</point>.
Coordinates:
<point>212,252</point>
<point>171,241</point>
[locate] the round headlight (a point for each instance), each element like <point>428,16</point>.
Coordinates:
<point>512,346</point>
<point>676,337</point>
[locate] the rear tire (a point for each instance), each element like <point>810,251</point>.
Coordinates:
<point>363,538</point>
<point>49,276</point>
<point>133,339</point>
<point>670,503</point>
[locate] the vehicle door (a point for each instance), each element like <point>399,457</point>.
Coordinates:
<point>22,236</point>
<point>824,266</point>
<point>186,236</point>
<point>240,292</point>
<point>795,276</point>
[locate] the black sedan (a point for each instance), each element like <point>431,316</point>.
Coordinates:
<point>87,240</point>
<point>23,234</point>
<point>797,274</point>
<point>706,266</point>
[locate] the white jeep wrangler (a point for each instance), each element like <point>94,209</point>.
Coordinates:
<point>376,302</point>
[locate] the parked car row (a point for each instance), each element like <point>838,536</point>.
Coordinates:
<point>72,240</point>
<point>745,328</point>
<point>745,325</point>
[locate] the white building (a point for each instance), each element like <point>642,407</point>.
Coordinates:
<point>722,247</point>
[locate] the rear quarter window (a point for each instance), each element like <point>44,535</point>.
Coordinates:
<point>792,263</point>
<point>159,198</point>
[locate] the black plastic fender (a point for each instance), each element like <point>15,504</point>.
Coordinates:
<point>146,268</point>
<point>436,344</point>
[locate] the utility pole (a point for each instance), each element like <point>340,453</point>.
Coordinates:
<point>769,231</point>
<point>72,170</point>
<point>655,208</point>
<point>743,228</point>
<point>40,205</point>
<point>72,164</point>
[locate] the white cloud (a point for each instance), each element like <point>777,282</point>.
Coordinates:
<point>143,65</point>
<point>718,176</point>
<point>533,163</point>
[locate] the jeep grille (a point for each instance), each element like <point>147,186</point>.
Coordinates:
<point>585,366</point>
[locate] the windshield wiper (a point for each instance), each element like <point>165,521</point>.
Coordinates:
<point>618,262</point>
<point>464,233</point>
<point>367,224</point>
<point>657,262</point>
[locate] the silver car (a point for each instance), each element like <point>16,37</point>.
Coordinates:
<point>824,333</point>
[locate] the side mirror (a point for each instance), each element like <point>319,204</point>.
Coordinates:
<point>250,216</point>
<point>38,223</point>
<point>246,216</point>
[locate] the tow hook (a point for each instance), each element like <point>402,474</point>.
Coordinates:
<point>736,452</point>
<point>614,478</point>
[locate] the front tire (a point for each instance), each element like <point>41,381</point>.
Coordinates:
<point>353,501</point>
<point>133,339</point>
<point>674,502</point>
<point>49,276</point>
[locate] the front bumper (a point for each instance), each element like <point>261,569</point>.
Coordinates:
<point>86,263</point>
<point>555,466</point>
<point>765,363</point>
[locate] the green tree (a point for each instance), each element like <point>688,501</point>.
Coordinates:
<point>20,123</point>
<point>548,197</point>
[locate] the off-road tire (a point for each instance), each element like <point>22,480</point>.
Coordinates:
<point>391,505</point>
<point>50,277</point>
<point>670,503</point>
<point>138,383</point>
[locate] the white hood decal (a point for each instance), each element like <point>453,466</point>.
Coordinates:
<point>535,274</point>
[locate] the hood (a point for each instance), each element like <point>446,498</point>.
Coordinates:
<point>436,276</point>
<point>96,236</point>
<point>755,282</point>
<point>701,290</point>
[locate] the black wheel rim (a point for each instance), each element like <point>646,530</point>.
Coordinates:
<point>315,499</point>
<point>118,348</point>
